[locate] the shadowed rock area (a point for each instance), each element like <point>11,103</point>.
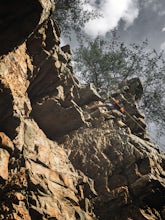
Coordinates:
<point>59,158</point>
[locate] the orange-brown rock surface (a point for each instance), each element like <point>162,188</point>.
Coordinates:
<point>59,159</point>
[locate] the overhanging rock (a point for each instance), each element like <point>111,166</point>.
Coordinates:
<point>55,120</point>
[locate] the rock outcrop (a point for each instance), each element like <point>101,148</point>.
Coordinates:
<point>59,159</point>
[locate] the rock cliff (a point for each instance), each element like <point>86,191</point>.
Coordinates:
<point>59,159</point>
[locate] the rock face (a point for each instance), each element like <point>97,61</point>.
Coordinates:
<point>59,159</point>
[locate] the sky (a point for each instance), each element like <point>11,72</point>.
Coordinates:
<point>135,20</point>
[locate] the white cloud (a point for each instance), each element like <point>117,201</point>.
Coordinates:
<point>131,13</point>
<point>113,11</point>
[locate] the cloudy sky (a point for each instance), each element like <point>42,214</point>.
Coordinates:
<point>135,20</point>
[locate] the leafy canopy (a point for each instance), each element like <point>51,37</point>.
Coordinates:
<point>106,63</point>
<point>73,15</point>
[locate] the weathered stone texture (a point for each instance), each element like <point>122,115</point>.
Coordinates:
<point>127,170</point>
<point>58,158</point>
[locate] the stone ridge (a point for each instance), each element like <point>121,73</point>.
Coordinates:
<point>59,158</point>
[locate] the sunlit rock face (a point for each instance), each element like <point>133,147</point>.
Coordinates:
<point>59,159</point>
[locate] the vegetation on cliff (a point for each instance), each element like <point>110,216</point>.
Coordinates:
<point>106,63</point>
<point>109,63</point>
<point>73,15</point>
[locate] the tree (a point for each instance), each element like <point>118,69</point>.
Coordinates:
<point>108,63</point>
<point>73,15</point>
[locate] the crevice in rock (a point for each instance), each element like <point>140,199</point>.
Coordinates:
<point>8,122</point>
<point>17,20</point>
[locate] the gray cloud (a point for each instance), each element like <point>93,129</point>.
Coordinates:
<point>148,25</point>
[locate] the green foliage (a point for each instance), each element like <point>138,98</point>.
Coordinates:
<point>108,63</point>
<point>72,15</point>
